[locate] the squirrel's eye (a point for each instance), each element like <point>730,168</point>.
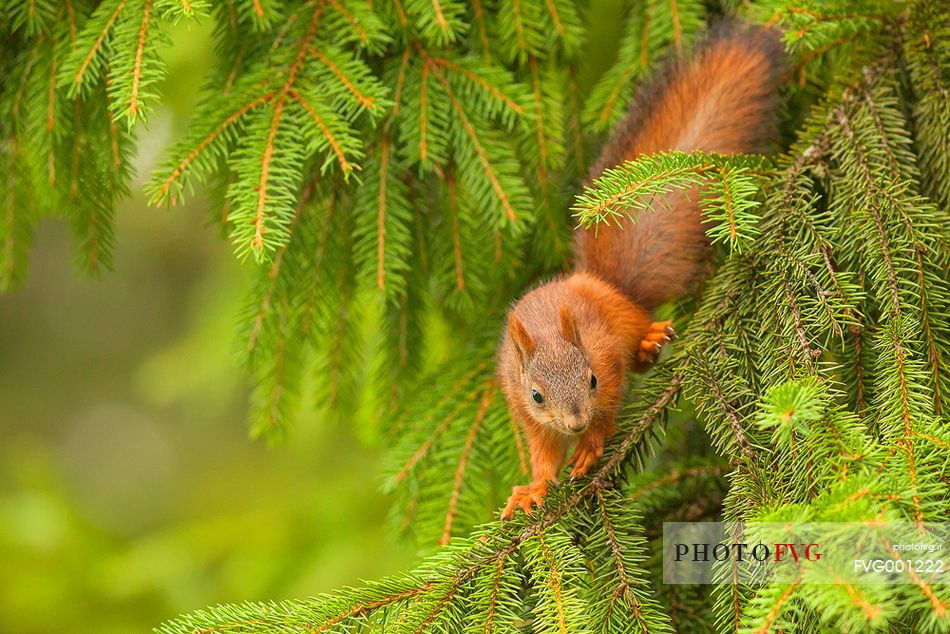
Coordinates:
<point>536,395</point>
<point>593,381</point>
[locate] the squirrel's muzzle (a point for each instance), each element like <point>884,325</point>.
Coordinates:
<point>576,424</point>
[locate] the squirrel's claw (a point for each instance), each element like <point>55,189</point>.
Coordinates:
<point>659,334</point>
<point>525,497</point>
<point>584,458</point>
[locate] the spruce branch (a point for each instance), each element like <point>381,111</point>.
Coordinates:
<point>86,61</point>
<point>440,591</point>
<point>171,188</point>
<point>814,26</point>
<point>926,51</point>
<point>622,588</point>
<point>439,21</point>
<point>383,231</point>
<point>652,32</point>
<point>493,174</point>
<point>727,187</point>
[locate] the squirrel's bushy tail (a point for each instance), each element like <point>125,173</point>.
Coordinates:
<point>721,99</point>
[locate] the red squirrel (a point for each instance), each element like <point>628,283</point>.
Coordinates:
<point>569,343</point>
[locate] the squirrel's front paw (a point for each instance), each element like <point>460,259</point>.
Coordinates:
<point>659,334</point>
<point>525,497</point>
<point>586,455</point>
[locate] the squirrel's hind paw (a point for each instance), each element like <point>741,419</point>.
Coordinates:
<point>525,497</point>
<point>659,334</point>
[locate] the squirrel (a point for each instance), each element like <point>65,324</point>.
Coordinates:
<point>569,343</point>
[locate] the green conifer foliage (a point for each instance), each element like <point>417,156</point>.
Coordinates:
<point>400,170</point>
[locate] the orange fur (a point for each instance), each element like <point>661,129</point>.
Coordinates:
<point>595,325</point>
<point>722,100</point>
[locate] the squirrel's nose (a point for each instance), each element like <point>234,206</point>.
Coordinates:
<point>576,424</point>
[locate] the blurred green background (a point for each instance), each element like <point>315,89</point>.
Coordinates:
<point>129,489</point>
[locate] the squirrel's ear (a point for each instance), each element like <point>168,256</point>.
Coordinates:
<point>569,326</point>
<point>520,337</point>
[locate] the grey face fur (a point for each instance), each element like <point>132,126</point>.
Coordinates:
<point>561,373</point>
